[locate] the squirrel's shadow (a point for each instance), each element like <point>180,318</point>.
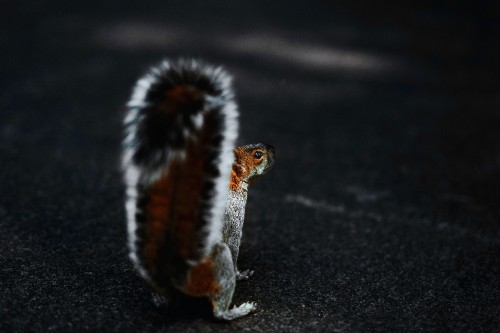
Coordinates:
<point>182,308</point>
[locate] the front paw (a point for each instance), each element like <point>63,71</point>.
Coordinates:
<point>159,300</point>
<point>243,275</point>
<point>236,312</point>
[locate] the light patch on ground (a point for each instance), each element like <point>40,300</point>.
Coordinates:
<point>272,46</point>
<point>299,52</point>
<point>320,205</point>
<point>363,195</point>
<point>442,226</point>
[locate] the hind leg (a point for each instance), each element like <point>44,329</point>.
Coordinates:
<point>226,278</point>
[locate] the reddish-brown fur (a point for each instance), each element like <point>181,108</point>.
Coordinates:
<point>182,98</point>
<point>158,212</point>
<point>190,180</point>
<point>235,180</point>
<point>201,280</point>
<point>171,213</point>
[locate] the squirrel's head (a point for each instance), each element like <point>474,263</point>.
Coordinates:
<point>252,161</point>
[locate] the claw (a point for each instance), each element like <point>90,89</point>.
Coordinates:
<point>237,312</point>
<point>244,275</point>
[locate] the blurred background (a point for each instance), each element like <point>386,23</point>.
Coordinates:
<point>381,213</point>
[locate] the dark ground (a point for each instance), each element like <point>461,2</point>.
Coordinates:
<point>381,213</point>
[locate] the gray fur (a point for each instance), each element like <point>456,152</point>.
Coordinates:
<point>234,217</point>
<point>234,213</point>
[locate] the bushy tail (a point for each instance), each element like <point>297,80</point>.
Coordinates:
<point>181,125</point>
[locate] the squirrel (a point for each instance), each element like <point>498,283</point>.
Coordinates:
<point>186,183</point>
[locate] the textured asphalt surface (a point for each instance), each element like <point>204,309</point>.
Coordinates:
<point>381,213</point>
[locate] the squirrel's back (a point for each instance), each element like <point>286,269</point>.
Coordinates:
<point>177,155</point>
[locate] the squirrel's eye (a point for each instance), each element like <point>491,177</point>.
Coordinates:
<point>257,154</point>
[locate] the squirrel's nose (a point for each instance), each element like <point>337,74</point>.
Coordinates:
<point>269,148</point>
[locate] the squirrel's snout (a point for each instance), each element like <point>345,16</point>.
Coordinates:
<point>269,148</point>
<point>270,154</point>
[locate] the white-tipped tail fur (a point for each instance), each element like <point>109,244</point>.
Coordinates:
<point>144,160</point>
